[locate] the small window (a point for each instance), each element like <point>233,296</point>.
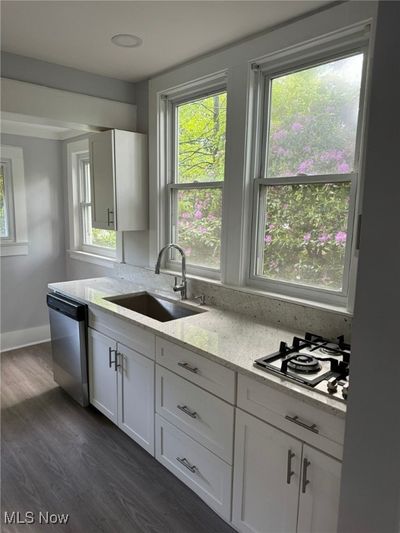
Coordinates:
<point>95,240</point>
<point>6,203</point>
<point>309,165</point>
<point>195,188</point>
<point>13,215</point>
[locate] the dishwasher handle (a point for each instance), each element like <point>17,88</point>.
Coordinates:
<point>65,306</point>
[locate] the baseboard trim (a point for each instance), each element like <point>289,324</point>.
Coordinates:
<point>11,340</point>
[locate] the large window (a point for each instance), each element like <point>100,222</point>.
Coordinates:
<point>197,162</point>
<point>307,174</point>
<point>100,241</point>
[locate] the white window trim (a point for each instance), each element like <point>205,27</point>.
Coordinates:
<point>17,244</point>
<point>77,250</point>
<point>167,102</point>
<point>288,61</point>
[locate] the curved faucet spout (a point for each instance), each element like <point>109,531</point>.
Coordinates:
<point>183,287</point>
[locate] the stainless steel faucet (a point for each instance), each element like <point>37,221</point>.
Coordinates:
<point>182,288</point>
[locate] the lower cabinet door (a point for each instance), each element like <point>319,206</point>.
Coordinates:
<point>205,473</point>
<point>266,477</point>
<point>319,492</point>
<point>103,374</point>
<point>136,396</point>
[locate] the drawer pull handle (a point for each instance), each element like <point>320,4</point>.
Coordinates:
<point>306,464</point>
<point>296,420</point>
<point>290,472</point>
<point>187,465</point>
<point>110,361</point>
<point>186,366</point>
<point>185,409</point>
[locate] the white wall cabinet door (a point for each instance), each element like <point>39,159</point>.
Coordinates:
<point>102,374</point>
<point>101,148</point>
<point>319,492</point>
<point>266,477</point>
<point>136,396</point>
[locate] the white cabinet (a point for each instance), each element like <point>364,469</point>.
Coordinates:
<point>119,180</point>
<point>103,378</point>
<point>121,386</point>
<point>281,484</point>
<point>136,396</point>
<point>265,497</point>
<point>319,492</point>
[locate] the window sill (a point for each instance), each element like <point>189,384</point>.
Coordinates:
<point>13,248</point>
<point>79,255</point>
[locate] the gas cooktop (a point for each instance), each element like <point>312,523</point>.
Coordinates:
<point>313,361</point>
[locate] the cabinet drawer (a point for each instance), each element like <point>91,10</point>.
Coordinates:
<point>197,467</point>
<point>281,409</point>
<point>133,336</point>
<point>211,376</point>
<point>201,415</point>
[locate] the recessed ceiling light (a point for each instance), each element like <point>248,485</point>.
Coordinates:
<point>126,40</point>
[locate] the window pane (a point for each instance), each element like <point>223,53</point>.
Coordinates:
<point>198,225</point>
<point>4,230</point>
<point>96,237</point>
<point>200,150</point>
<point>313,121</point>
<point>306,233</point>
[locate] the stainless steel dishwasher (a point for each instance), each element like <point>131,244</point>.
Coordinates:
<point>68,326</point>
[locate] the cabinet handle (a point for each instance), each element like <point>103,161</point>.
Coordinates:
<point>116,364</point>
<point>296,420</point>
<point>186,366</point>
<point>110,362</point>
<point>306,464</point>
<point>109,212</point>
<point>187,411</point>
<point>290,472</point>
<point>187,465</point>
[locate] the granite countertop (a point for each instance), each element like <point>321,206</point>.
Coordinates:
<point>229,338</point>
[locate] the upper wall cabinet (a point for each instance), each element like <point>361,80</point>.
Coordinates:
<point>118,163</point>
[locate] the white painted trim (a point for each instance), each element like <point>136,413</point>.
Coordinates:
<point>13,248</point>
<point>101,260</point>
<point>11,340</point>
<point>39,131</point>
<point>76,110</point>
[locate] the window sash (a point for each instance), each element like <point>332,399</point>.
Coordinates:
<point>172,185</point>
<point>261,125</point>
<point>8,203</point>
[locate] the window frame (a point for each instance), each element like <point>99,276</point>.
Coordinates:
<point>262,75</point>
<point>77,153</point>
<point>12,158</point>
<point>170,104</point>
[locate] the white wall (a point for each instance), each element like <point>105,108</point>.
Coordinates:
<point>370,499</point>
<point>24,279</point>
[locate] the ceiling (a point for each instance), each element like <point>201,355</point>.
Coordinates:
<point>77,33</point>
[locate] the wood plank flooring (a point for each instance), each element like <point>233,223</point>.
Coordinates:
<point>58,457</point>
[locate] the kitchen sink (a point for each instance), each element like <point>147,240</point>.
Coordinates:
<point>156,307</point>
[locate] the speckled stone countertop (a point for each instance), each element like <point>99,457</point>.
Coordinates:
<point>229,338</point>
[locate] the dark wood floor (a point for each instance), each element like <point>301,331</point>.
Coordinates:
<point>62,458</point>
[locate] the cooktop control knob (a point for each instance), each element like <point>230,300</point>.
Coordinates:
<point>332,385</point>
<point>345,391</point>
